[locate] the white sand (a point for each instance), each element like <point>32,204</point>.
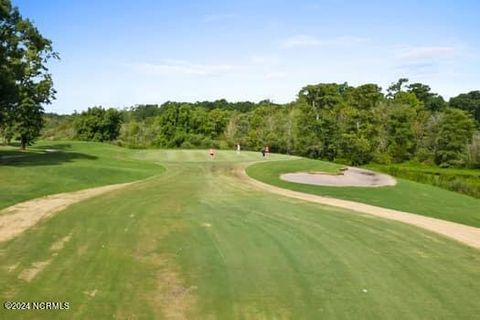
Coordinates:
<point>351,177</point>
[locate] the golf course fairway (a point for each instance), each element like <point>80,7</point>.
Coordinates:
<point>191,240</point>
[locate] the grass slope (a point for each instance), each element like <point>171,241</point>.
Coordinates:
<point>74,166</point>
<point>197,243</point>
<point>406,195</point>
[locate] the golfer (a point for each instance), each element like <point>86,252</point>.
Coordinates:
<point>211,152</point>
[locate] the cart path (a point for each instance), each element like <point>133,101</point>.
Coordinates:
<point>467,235</point>
<point>17,218</point>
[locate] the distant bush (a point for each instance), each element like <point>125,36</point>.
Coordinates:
<point>57,127</point>
<point>187,145</point>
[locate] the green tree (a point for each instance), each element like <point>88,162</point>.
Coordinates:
<point>396,87</point>
<point>28,121</point>
<point>400,133</point>
<point>98,124</point>
<point>431,101</point>
<point>308,130</point>
<point>10,54</point>
<point>365,97</point>
<point>358,135</point>
<point>408,99</point>
<point>469,102</point>
<point>143,111</point>
<point>358,124</point>
<point>217,120</point>
<point>25,83</point>
<point>323,95</point>
<point>317,118</point>
<point>473,151</point>
<point>454,134</point>
<point>237,129</point>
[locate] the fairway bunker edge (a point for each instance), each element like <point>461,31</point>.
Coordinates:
<point>349,177</point>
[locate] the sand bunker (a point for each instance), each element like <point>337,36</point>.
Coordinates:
<point>350,177</point>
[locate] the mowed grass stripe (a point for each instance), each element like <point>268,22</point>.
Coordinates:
<point>202,156</point>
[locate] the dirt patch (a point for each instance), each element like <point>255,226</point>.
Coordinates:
<point>173,298</point>
<point>59,244</point>
<point>467,235</point>
<point>170,296</point>
<point>91,293</point>
<point>350,177</point>
<point>19,217</point>
<point>12,267</point>
<point>82,250</point>
<point>30,273</point>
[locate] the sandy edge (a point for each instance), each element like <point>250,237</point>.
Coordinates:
<point>467,235</point>
<point>21,216</point>
<point>350,177</point>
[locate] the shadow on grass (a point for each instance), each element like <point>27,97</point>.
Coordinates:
<point>43,156</point>
<point>53,147</point>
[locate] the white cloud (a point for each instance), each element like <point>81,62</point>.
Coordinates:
<point>303,40</point>
<point>419,53</point>
<point>182,68</point>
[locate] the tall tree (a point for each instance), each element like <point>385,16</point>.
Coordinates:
<point>358,131</point>
<point>455,133</point>
<point>431,101</point>
<point>400,132</point>
<point>323,95</point>
<point>365,97</point>
<point>469,102</point>
<point>28,121</point>
<point>396,87</point>
<point>25,82</point>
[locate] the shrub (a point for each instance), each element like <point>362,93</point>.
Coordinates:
<point>473,152</point>
<point>459,181</point>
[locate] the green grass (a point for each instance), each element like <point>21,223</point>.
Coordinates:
<point>466,181</point>
<point>199,242</point>
<point>74,166</point>
<point>406,195</point>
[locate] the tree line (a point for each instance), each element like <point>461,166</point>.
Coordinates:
<point>335,122</point>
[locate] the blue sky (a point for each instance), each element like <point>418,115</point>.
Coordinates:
<point>120,53</point>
